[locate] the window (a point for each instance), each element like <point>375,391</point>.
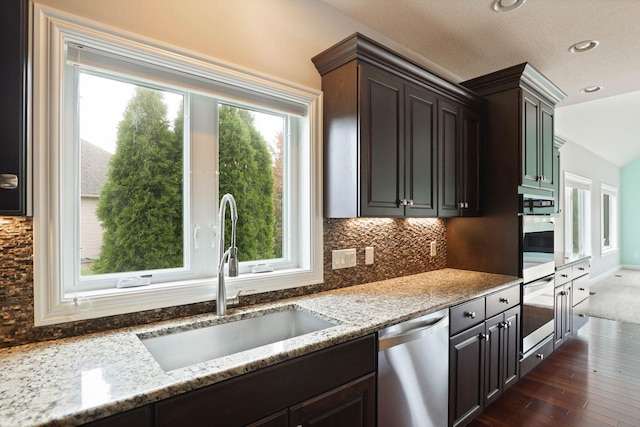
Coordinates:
<point>134,145</point>
<point>609,223</point>
<point>577,214</point>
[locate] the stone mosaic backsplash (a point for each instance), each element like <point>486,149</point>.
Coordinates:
<point>401,248</point>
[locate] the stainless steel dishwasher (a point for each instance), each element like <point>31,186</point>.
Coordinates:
<point>413,372</point>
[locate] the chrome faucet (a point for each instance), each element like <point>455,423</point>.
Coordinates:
<point>231,254</point>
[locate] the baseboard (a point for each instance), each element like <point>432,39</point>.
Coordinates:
<point>607,274</point>
<point>630,267</point>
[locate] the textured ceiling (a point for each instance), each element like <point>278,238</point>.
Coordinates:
<point>469,39</point>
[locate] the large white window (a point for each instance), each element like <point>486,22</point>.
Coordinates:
<point>134,144</point>
<point>609,219</point>
<point>577,214</point>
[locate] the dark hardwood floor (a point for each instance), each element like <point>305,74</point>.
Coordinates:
<point>591,380</point>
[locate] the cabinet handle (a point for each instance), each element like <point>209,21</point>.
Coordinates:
<point>504,300</point>
<point>8,181</point>
<point>484,337</point>
<point>410,202</point>
<point>508,323</point>
<point>563,293</point>
<point>582,315</point>
<point>540,356</point>
<point>564,275</point>
<point>466,205</point>
<point>582,289</point>
<point>581,268</point>
<point>471,314</point>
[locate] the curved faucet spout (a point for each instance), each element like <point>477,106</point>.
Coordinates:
<point>231,254</point>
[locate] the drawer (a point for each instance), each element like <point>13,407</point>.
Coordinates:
<point>466,315</point>
<point>536,355</point>
<point>502,300</point>
<point>563,276</point>
<point>580,316</point>
<point>581,268</point>
<point>580,289</point>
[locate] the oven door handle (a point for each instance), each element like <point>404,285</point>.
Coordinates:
<point>538,283</point>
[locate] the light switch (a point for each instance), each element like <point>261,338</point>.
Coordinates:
<point>368,255</point>
<point>343,258</point>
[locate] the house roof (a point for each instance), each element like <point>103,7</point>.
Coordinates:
<point>94,163</point>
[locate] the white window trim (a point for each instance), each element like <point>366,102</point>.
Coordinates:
<point>579,182</point>
<point>613,220</point>
<point>51,304</point>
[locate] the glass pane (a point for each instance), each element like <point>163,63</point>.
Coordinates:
<point>251,168</point>
<point>131,177</point>
<point>606,242</point>
<point>575,223</point>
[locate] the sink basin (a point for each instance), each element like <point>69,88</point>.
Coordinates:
<point>187,347</point>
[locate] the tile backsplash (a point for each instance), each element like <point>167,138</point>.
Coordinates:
<point>401,248</point>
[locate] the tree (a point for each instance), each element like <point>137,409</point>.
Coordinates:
<point>140,205</point>
<point>246,172</point>
<point>277,154</point>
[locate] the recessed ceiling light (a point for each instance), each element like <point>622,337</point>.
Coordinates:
<point>584,46</point>
<point>506,5</point>
<point>591,89</point>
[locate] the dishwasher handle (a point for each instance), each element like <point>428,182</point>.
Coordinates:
<point>414,331</point>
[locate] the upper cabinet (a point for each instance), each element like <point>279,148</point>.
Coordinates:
<point>521,109</point>
<point>13,106</point>
<point>394,137</point>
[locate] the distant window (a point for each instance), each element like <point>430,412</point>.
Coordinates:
<point>577,214</point>
<point>609,234</point>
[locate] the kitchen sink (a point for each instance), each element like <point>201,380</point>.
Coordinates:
<point>181,348</point>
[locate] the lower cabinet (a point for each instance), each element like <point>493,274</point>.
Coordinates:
<point>562,314</point>
<point>484,359</point>
<point>330,387</point>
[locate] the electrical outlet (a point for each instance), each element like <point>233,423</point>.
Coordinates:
<point>434,249</point>
<point>343,258</point>
<point>368,255</point>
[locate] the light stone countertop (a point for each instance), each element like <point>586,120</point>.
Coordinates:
<point>76,380</point>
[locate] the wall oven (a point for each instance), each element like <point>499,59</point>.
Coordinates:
<point>538,269</point>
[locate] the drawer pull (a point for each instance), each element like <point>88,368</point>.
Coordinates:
<point>564,275</point>
<point>471,314</point>
<point>582,289</point>
<point>504,300</point>
<point>581,268</point>
<point>582,315</point>
<point>484,337</point>
<point>540,356</point>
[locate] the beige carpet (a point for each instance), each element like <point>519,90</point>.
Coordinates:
<point>617,297</point>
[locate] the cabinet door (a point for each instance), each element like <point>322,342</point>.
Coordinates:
<point>448,142</point>
<point>420,151</point>
<point>381,143</point>
<point>281,419</point>
<point>470,146</point>
<point>562,313</point>
<point>13,45</point>
<point>353,404</point>
<point>546,171</point>
<point>139,417</point>
<point>530,114</point>
<point>493,357</point>
<point>466,375</point>
<point>511,341</point>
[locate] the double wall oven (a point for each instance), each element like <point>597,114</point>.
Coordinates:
<point>538,268</point>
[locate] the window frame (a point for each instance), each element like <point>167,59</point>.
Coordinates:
<point>52,303</point>
<point>577,182</point>
<point>612,193</point>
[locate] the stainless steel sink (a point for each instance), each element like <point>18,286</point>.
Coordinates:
<point>180,348</point>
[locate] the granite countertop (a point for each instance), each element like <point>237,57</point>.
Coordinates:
<point>563,259</point>
<point>77,380</point>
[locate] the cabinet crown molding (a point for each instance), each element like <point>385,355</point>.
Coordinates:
<point>362,48</point>
<point>515,77</point>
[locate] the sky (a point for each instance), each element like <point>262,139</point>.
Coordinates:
<point>103,101</point>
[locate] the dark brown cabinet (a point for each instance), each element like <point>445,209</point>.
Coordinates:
<point>562,314</point>
<point>537,143</point>
<point>502,358</point>
<point>484,359</point>
<point>334,385</point>
<point>460,136</point>
<point>385,120</point>
<point>13,106</point>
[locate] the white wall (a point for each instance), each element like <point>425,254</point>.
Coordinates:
<point>580,161</point>
<point>273,37</point>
